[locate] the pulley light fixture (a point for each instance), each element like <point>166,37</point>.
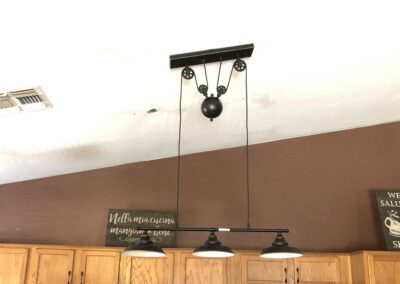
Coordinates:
<point>211,108</point>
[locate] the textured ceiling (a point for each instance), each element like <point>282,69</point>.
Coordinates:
<point>318,66</point>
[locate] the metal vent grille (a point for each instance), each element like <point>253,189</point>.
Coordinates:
<point>29,99</point>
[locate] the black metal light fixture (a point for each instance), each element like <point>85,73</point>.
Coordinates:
<point>144,248</point>
<point>212,248</point>
<point>211,108</point>
<point>280,249</point>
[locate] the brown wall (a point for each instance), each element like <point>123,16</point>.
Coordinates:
<point>318,186</point>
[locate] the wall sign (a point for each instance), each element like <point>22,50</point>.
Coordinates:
<point>389,210</point>
<point>121,224</point>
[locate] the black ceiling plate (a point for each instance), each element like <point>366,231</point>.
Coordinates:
<point>211,55</point>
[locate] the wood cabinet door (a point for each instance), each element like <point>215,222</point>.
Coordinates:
<point>141,270</point>
<point>384,269</point>
<point>13,263</point>
<point>317,269</point>
<point>262,271</point>
<point>99,267</point>
<point>199,270</point>
<point>51,266</point>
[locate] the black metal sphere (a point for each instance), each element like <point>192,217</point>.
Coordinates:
<point>211,107</point>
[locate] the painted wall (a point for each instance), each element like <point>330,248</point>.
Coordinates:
<point>319,186</point>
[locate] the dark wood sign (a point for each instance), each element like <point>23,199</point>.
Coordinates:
<point>121,227</point>
<point>389,210</point>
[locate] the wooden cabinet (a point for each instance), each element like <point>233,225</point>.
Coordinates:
<point>98,267</point>
<point>13,263</point>
<point>263,271</point>
<point>68,266</point>
<point>147,270</point>
<point>311,268</point>
<point>51,266</point>
<point>317,269</point>
<point>376,267</point>
<point>197,270</point>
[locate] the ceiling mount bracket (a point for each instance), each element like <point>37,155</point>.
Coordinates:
<point>211,55</point>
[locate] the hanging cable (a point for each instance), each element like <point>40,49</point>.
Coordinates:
<point>179,155</point>
<point>247,155</point>
<point>205,71</point>
<point>230,76</point>
<point>219,72</point>
<point>195,78</point>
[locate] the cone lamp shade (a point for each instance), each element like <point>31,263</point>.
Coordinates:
<point>213,248</point>
<point>280,249</point>
<point>144,248</point>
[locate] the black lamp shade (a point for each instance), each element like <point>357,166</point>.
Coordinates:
<point>213,248</point>
<point>280,249</point>
<point>144,248</point>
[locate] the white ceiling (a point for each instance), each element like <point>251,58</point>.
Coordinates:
<point>318,66</point>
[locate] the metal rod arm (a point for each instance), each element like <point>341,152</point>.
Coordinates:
<point>234,230</point>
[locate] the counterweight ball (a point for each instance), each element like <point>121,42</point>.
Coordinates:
<point>211,107</point>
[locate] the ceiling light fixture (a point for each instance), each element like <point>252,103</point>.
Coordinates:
<point>280,249</point>
<point>212,108</point>
<point>212,248</point>
<point>144,248</point>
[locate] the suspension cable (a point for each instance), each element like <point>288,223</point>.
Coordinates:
<point>205,71</point>
<point>179,155</point>
<point>219,71</point>
<point>247,154</point>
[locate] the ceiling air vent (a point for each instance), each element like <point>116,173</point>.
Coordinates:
<point>24,100</point>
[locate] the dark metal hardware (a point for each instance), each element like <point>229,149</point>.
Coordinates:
<point>233,230</point>
<point>203,89</point>
<point>211,55</point>
<point>285,275</point>
<point>212,106</point>
<point>69,277</point>
<point>187,73</point>
<point>82,280</point>
<point>239,65</point>
<point>298,275</point>
<point>221,90</point>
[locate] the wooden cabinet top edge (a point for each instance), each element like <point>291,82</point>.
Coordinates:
<point>375,252</point>
<point>177,250</point>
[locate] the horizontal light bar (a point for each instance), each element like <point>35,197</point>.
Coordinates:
<point>234,230</point>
